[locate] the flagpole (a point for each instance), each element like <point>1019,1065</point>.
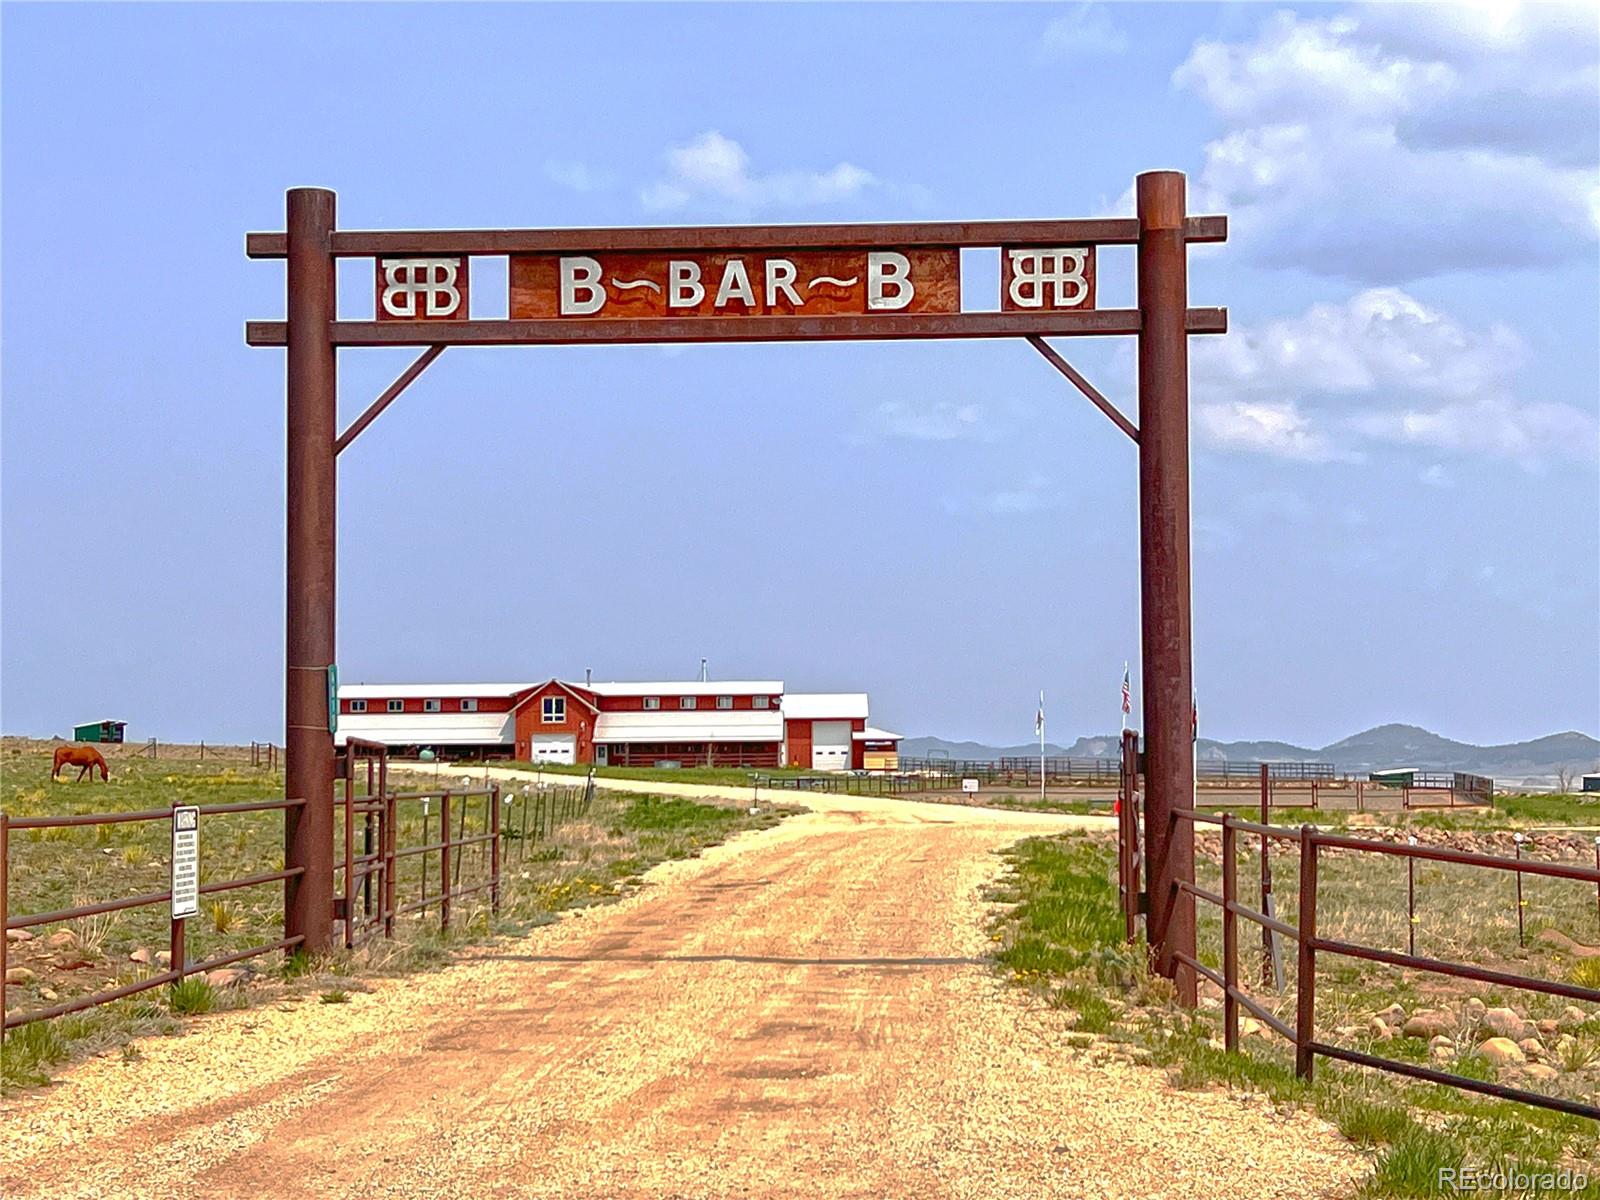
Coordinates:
<point>1041,744</point>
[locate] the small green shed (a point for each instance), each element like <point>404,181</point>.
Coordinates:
<point>98,731</point>
<point>1395,777</point>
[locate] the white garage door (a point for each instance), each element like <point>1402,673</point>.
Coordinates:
<point>830,746</point>
<point>555,747</point>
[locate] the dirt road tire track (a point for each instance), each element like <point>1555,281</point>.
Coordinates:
<point>805,1012</point>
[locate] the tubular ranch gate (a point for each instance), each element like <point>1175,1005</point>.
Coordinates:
<point>743,283</point>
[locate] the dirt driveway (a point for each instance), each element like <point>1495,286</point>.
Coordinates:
<point>803,1012</point>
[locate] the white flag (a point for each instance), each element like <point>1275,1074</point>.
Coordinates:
<point>1038,721</point>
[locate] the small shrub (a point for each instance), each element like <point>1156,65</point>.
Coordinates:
<point>1415,1165</point>
<point>297,964</point>
<point>191,995</point>
<point>27,1051</point>
<point>1585,972</point>
<point>136,855</point>
<point>1370,1123</point>
<point>224,917</point>
<point>336,996</point>
<point>1578,1054</point>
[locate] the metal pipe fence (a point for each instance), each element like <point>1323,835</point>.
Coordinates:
<point>465,839</point>
<point>1310,944</point>
<point>179,965</point>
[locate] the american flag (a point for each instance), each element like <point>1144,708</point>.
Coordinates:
<point>1127,696</point>
<point>1038,721</point>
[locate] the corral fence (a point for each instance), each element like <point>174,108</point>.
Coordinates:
<point>1278,788</point>
<point>1058,769</point>
<point>1311,945</point>
<point>466,837</point>
<point>264,754</point>
<point>846,783</point>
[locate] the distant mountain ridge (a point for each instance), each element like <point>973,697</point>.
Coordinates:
<point>1381,746</point>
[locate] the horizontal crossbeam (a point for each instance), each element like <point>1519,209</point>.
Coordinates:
<point>365,243</point>
<point>573,331</point>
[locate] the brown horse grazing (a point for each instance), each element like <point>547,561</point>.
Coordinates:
<point>86,757</point>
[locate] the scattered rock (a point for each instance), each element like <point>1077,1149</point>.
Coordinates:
<point>1505,1023</point>
<point>18,935</point>
<point>164,958</point>
<point>1572,1017</point>
<point>1532,1047</point>
<point>73,962</point>
<point>1546,1028</point>
<point>1539,1071</point>
<point>227,977</point>
<point>47,993</point>
<point>1554,937</point>
<point>1393,1015</point>
<point>1473,1011</point>
<point>1379,1028</point>
<point>19,975</point>
<point>141,955</point>
<point>1346,1032</point>
<point>1441,1048</point>
<point>1249,1027</point>
<point>62,937</point>
<point>1429,1024</point>
<point>1501,1051</point>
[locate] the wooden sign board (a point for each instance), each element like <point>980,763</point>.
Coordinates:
<point>802,283</point>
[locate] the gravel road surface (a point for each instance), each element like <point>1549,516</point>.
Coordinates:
<point>802,1012</point>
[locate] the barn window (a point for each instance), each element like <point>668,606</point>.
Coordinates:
<point>469,706</point>
<point>758,701</point>
<point>652,703</point>
<point>686,702</point>
<point>358,706</point>
<point>724,702</point>
<point>430,706</point>
<point>554,710</point>
<point>397,706</point>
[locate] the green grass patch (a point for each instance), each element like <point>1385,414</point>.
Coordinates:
<point>190,996</point>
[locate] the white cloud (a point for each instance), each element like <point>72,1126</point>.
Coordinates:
<point>1381,368</point>
<point>1032,494</point>
<point>1277,428</point>
<point>1086,30</point>
<point>942,421</point>
<point>1354,152</point>
<point>577,176</point>
<point>714,169</point>
<point>1437,476</point>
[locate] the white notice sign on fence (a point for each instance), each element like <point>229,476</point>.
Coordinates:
<point>969,785</point>
<point>186,861</point>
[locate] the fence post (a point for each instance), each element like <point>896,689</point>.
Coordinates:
<point>1411,901</point>
<point>387,836</point>
<point>1230,936</point>
<point>1522,939</point>
<point>5,910</point>
<point>1306,975</point>
<point>444,861</point>
<point>494,848</point>
<point>349,848</point>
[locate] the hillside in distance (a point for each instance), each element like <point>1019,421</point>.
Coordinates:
<point>1392,745</point>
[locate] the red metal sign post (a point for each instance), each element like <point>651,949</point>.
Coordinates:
<point>745,283</point>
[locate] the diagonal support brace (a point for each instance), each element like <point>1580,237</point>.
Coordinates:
<point>1084,386</point>
<point>407,377</point>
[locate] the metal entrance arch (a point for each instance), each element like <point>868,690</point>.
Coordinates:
<point>877,281</point>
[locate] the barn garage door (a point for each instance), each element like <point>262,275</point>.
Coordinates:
<point>830,746</point>
<point>555,747</point>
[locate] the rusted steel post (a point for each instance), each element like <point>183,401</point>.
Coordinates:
<point>1269,976</point>
<point>444,861</point>
<point>312,396</point>
<point>1411,901</point>
<point>349,850</point>
<point>1596,867</point>
<point>5,910</point>
<point>387,835</point>
<point>1522,936</point>
<point>1167,678</point>
<point>178,949</point>
<point>1230,936</point>
<point>1306,975</point>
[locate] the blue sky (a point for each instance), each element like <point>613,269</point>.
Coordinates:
<point>1397,514</point>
